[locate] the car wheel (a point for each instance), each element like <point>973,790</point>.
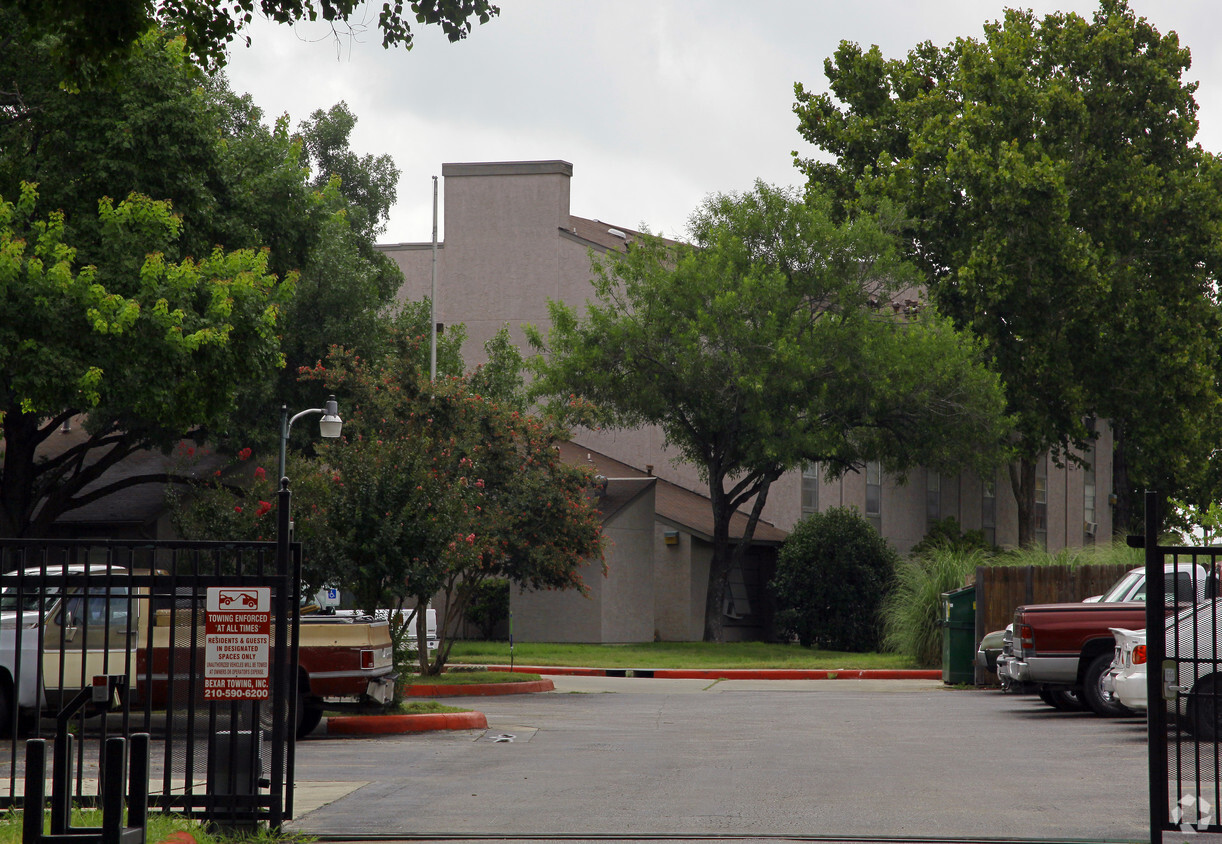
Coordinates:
<point>6,710</point>
<point>309,714</point>
<point>1206,710</point>
<point>266,718</point>
<point>1099,700</point>
<point>1065,700</point>
<point>1072,700</point>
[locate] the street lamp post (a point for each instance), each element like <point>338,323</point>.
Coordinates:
<point>329,426</point>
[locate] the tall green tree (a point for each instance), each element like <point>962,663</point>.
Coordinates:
<point>768,343</point>
<point>368,182</point>
<point>89,35</point>
<point>1060,211</point>
<point>146,349</point>
<point>232,178</point>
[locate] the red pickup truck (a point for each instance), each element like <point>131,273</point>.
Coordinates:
<point>1068,648</point>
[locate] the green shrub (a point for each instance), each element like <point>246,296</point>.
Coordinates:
<point>945,533</point>
<point>832,573</point>
<point>913,608</point>
<point>489,606</point>
<point>1116,553</point>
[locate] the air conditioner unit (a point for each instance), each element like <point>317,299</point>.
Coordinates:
<point>1091,528</point>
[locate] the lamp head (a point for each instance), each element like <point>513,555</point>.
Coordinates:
<point>330,425</point>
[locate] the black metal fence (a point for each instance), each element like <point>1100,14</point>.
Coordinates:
<point>104,639</point>
<point>1183,684</point>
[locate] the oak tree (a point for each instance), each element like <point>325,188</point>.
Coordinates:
<point>144,349</point>
<point>88,35</point>
<point>767,343</point>
<point>1060,211</point>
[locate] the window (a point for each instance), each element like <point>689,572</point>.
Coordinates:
<point>1041,500</point>
<point>810,489</point>
<point>988,511</point>
<point>933,496</point>
<point>874,492</point>
<point>1090,525</point>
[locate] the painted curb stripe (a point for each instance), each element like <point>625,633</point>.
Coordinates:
<point>480,689</point>
<point>180,837</point>
<point>734,673</point>
<point>362,725</point>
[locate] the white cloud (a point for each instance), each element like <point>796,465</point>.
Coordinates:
<point>655,102</point>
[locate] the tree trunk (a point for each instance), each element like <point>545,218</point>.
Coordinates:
<point>714,596</point>
<point>726,553</point>
<point>1022,483</point>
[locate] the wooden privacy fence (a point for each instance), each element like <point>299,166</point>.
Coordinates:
<point>1001,589</point>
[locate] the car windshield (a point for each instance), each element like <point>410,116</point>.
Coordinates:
<point>12,601</point>
<point>1122,588</point>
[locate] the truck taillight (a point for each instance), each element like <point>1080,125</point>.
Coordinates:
<point>1026,636</point>
<point>1139,655</point>
<point>366,659</point>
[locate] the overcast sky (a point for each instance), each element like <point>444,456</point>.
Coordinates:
<point>656,103</point>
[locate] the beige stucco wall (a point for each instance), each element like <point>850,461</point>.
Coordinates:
<point>507,251</point>
<point>903,505</point>
<point>628,596</point>
<point>620,607</point>
<point>681,577</point>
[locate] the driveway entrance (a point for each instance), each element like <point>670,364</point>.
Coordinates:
<point>647,757</point>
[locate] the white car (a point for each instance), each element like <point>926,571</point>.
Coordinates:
<point>1194,636</point>
<point>1127,677</point>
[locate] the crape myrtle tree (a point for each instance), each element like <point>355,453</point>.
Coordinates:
<point>146,349</point>
<point>435,487</point>
<point>238,500</point>
<point>438,487</point>
<point>1059,211</point>
<point>768,343</point>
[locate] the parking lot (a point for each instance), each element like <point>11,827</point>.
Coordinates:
<point>643,757</point>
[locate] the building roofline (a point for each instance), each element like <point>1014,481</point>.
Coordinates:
<point>409,246</point>
<point>508,168</point>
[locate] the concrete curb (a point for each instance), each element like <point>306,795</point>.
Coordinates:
<point>732,673</point>
<point>373,725</point>
<point>478,689</point>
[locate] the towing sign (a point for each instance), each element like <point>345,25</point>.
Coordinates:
<point>237,643</point>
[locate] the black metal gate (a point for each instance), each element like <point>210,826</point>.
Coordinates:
<point>1183,684</point>
<point>103,639</point>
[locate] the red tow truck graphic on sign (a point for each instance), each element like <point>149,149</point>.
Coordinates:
<point>242,597</point>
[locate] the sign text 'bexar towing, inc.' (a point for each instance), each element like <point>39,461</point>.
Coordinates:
<point>237,643</point>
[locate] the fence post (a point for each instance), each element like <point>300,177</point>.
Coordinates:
<point>1156,648</point>
<point>283,686</point>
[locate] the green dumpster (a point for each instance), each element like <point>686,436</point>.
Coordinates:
<point>959,636</point>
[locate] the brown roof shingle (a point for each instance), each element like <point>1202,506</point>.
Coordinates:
<point>679,506</point>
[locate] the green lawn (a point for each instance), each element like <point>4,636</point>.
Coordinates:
<point>467,678</point>
<point>160,826</point>
<point>670,655</point>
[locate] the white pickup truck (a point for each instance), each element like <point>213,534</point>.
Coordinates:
<point>51,647</point>
<point>328,602</point>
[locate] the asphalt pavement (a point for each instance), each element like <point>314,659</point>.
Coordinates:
<point>641,759</point>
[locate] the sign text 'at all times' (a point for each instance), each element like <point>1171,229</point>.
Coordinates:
<point>237,643</point>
